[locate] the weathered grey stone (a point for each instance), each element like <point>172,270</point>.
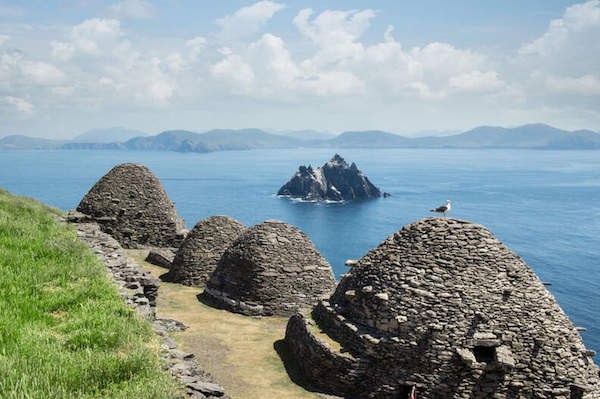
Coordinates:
<point>458,335</point>
<point>162,257</point>
<point>130,204</point>
<point>202,248</point>
<point>264,272</point>
<point>207,388</point>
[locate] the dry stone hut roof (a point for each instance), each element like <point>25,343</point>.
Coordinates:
<point>202,248</point>
<point>444,306</point>
<point>130,203</point>
<point>271,269</point>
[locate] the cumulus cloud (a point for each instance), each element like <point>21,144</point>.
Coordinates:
<point>577,18</point>
<point>235,72</point>
<point>247,20</point>
<point>24,107</point>
<point>102,59</point>
<point>134,9</point>
<point>92,37</point>
<point>587,85</point>
<point>334,33</point>
<point>195,46</point>
<point>341,64</point>
<point>570,45</point>
<point>42,73</point>
<point>333,58</point>
<point>477,82</point>
<point>564,61</point>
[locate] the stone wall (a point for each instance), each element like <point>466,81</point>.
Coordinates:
<point>315,352</point>
<point>444,306</point>
<point>130,204</point>
<point>271,269</point>
<point>138,287</point>
<point>140,291</point>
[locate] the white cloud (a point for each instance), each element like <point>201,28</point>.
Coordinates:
<point>62,51</point>
<point>175,62</point>
<point>577,18</point>
<point>234,71</point>
<point>247,20</point>
<point>92,37</point>
<point>24,107</point>
<point>334,33</point>
<point>195,46</point>
<point>331,61</point>
<point>42,73</point>
<point>587,85</point>
<point>273,61</point>
<point>161,87</point>
<point>570,45</point>
<point>477,82</point>
<point>134,9</point>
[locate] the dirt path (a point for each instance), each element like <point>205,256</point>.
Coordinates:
<point>239,351</point>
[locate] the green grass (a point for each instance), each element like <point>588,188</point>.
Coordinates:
<point>64,330</point>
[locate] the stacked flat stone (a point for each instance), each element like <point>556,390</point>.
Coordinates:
<point>271,269</point>
<point>445,307</point>
<point>130,204</point>
<point>202,248</point>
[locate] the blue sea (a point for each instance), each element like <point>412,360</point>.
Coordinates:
<point>545,205</point>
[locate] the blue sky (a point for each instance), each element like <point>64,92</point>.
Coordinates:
<point>72,65</point>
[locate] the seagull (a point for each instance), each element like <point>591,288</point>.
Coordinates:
<point>443,209</point>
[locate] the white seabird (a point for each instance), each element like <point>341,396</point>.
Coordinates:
<point>443,209</point>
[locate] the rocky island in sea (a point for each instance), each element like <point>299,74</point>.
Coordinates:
<point>334,181</point>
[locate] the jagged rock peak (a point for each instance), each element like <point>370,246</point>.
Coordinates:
<point>130,203</point>
<point>271,269</point>
<point>334,181</point>
<point>202,248</point>
<point>445,307</point>
<point>337,160</point>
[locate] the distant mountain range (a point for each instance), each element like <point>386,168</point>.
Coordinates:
<point>534,136</point>
<point>108,135</point>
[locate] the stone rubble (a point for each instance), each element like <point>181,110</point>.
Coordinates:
<point>444,307</point>
<point>202,248</point>
<point>271,269</point>
<point>140,291</point>
<point>162,257</point>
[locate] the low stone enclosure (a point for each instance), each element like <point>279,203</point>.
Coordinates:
<point>202,248</point>
<point>446,308</point>
<point>271,269</point>
<point>130,204</point>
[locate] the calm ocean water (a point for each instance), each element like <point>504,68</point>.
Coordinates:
<point>545,205</point>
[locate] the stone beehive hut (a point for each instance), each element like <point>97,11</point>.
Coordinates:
<point>130,204</point>
<point>444,307</point>
<point>271,269</point>
<point>202,248</point>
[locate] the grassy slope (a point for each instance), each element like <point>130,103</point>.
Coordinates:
<point>64,331</point>
<point>238,350</point>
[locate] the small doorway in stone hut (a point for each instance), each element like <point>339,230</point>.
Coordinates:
<point>403,392</point>
<point>485,354</point>
<point>576,392</point>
